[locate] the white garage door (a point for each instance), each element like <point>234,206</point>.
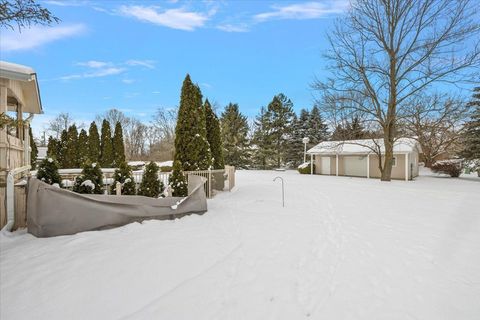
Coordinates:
<point>355,166</point>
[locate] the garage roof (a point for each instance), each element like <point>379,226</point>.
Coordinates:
<point>363,146</point>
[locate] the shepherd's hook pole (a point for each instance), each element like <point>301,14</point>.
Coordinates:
<point>283,190</point>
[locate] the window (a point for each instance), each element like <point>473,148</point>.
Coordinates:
<point>394,161</point>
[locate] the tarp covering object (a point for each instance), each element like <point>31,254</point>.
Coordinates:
<point>52,211</point>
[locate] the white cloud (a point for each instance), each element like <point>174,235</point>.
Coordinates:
<point>37,36</point>
<point>95,64</point>
<point>66,3</point>
<point>233,28</point>
<point>178,18</point>
<point>301,11</point>
<point>150,64</point>
<point>96,73</point>
<point>128,81</point>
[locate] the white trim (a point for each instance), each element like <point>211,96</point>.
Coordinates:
<point>311,163</point>
<point>336,164</point>
<point>368,166</point>
<point>406,166</point>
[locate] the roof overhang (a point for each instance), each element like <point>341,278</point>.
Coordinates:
<point>22,87</point>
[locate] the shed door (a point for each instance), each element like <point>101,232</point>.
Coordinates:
<point>355,166</point>
<point>325,165</point>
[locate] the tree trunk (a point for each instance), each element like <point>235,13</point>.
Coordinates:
<point>388,157</point>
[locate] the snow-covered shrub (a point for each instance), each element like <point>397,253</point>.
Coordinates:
<point>123,175</point>
<point>150,185</point>
<point>451,167</point>
<point>165,169</point>
<point>304,168</point>
<point>48,172</point>
<point>473,166</point>
<point>177,181</point>
<point>90,181</point>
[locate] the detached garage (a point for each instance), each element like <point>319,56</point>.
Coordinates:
<point>355,158</point>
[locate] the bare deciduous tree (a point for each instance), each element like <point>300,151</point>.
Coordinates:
<point>389,51</point>
<point>24,13</point>
<point>162,134</point>
<point>61,122</point>
<point>436,122</point>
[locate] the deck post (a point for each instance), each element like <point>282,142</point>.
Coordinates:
<point>368,166</point>
<point>336,164</point>
<point>311,163</point>
<point>406,166</point>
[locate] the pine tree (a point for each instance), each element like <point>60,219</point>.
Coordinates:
<point>90,181</point>
<point>280,114</point>
<point>214,137</point>
<point>106,146</point>
<point>34,149</point>
<point>82,147</point>
<point>93,143</point>
<point>177,181</point>
<point>123,175</point>
<point>295,149</point>
<point>261,143</point>
<point>191,145</point>
<point>70,154</point>
<point>317,129</point>
<point>118,145</point>
<point>150,185</point>
<point>62,148</point>
<point>471,136</point>
<point>234,130</point>
<point>48,171</point>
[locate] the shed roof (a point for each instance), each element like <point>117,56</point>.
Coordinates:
<point>363,146</point>
<point>21,82</point>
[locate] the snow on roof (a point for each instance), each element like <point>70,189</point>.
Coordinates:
<point>362,146</point>
<point>15,68</point>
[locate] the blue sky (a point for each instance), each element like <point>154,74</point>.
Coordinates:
<point>133,55</point>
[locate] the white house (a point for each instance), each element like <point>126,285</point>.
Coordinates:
<point>356,158</point>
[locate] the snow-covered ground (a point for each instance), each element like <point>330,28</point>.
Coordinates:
<point>342,248</point>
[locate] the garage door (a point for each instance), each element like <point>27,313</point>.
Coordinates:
<point>355,166</point>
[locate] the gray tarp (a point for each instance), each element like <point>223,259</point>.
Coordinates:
<point>52,211</point>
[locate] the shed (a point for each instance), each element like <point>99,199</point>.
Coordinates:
<point>356,158</point>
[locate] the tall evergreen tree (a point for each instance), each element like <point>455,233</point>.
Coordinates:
<point>70,155</point>
<point>34,149</point>
<point>471,137</point>
<point>261,142</point>
<point>62,148</point>
<point>106,146</point>
<point>294,155</point>
<point>93,143</point>
<point>90,181</point>
<point>177,181</point>
<point>48,171</point>
<point>123,174</point>
<point>118,145</point>
<point>214,137</point>
<point>52,147</point>
<point>82,147</point>
<point>317,129</point>
<point>150,185</point>
<point>191,145</point>
<point>234,130</point>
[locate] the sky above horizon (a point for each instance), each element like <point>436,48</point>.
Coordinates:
<point>134,55</point>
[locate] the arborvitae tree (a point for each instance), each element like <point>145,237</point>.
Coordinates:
<point>90,181</point>
<point>52,147</point>
<point>106,149</point>
<point>177,181</point>
<point>34,150</point>
<point>191,145</point>
<point>62,148</point>
<point>234,130</point>
<point>317,129</point>
<point>150,185</point>
<point>70,154</point>
<point>48,171</point>
<point>471,137</point>
<point>214,137</point>
<point>93,143</point>
<point>123,175</point>
<point>82,147</point>
<point>118,145</point>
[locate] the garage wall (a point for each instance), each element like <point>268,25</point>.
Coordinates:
<point>318,164</point>
<point>398,172</point>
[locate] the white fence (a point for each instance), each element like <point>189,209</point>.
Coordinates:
<point>216,180</point>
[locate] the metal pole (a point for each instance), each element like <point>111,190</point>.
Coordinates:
<point>283,190</point>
